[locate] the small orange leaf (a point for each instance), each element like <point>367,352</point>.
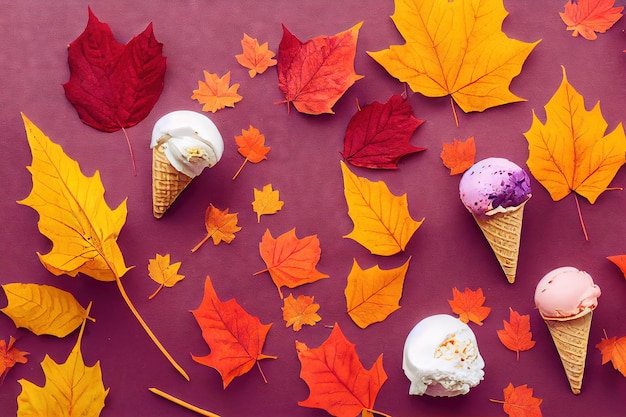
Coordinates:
<point>586,17</point>
<point>266,201</point>
<point>519,402</point>
<point>9,356</point>
<point>620,261</point>
<point>614,350</point>
<point>516,334</point>
<point>257,58</point>
<point>220,225</point>
<point>251,144</point>
<point>300,311</point>
<point>459,156</point>
<point>216,93</point>
<point>469,305</point>
<point>164,273</point>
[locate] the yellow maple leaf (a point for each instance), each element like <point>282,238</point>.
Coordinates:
<point>43,309</point>
<point>571,152</point>
<point>455,48</point>
<point>300,311</point>
<point>373,294</point>
<point>164,273</point>
<point>382,222</point>
<point>266,201</point>
<point>71,388</point>
<point>216,93</point>
<point>257,58</point>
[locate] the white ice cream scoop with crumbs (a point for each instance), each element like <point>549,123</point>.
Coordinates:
<point>441,357</point>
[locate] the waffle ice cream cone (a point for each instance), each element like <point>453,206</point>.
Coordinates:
<point>570,338</point>
<point>167,182</point>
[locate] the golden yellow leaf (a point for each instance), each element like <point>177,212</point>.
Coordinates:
<point>571,152</point>
<point>164,273</point>
<point>73,213</point>
<point>373,294</point>
<point>300,311</point>
<point>266,201</point>
<point>43,309</point>
<point>455,48</point>
<point>71,388</point>
<point>382,222</point>
<point>216,93</point>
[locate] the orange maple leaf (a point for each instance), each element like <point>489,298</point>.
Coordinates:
<point>459,156</point>
<point>235,337</point>
<point>620,261</point>
<point>516,334</point>
<point>251,144</point>
<point>519,402</point>
<point>220,225</point>
<point>9,356</point>
<point>614,350</point>
<point>300,311</point>
<point>586,17</point>
<point>216,93</point>
<point>469,305</point>
<point>257,58</point>
<point>338,382</point>
<point>291,261</point>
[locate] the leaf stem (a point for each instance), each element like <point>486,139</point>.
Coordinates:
<point>378,413</point>
<point>580,216</point>
<point>182,403</point>
<point>156,341</point>
<point>456,118</point>
<point>204,239</point>
<point>240,168</point>
<point>156,292</point>
<point>130,150</point>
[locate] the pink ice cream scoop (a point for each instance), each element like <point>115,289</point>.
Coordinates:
<point>566,292</point>
<point>492,185</point>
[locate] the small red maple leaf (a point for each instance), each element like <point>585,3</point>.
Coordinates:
<point>519,402</point>
<point>469,305</point>
<point>516,334</point>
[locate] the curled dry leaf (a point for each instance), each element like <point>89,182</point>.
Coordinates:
<point>164,273</point>
<point>216,93</point>
<point>257,58</point>
<point>300,311</point>
<point>9,356</point>
<point>588,17</point>
<point>469,305</point>
<point>266,201</point>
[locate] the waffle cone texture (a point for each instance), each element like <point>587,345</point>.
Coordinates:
<point>167,182</point>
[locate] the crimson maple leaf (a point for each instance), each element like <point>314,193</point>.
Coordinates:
<point>378,134</point>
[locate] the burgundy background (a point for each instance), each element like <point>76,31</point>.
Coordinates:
<point>447,251</point>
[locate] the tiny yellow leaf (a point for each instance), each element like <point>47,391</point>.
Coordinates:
<point>266,201</point>
<point>164,273</point>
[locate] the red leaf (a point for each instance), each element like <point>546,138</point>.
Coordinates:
<point>338,382</point>
<point>516,334</point>
<point>519,402</point>
<point>9,356</point>
<point>620,261</point>
<point>469,305</point>
<point>315,74</point>
<point>614,350</point>
<point>378,135</point>
<point>459,156</point>
<point>586,17</point>
<point>113,86</point>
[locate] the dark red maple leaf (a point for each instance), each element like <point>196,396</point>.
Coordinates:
<point>378,134</point>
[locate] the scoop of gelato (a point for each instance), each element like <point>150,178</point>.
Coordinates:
<point>190,141</point>
<point>441,357</point>
<point>565,293</point>
<point>492,185</point>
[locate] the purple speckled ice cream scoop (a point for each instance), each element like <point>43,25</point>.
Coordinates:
<point>493,183</point>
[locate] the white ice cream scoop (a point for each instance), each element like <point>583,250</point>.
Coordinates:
<point>441,357</point>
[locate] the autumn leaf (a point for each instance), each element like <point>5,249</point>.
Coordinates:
<point>257,58</point>
<point>586,17</point>
<point>378,135</point>
<point>459,156</point>
<point>9,356</point>
<point>290,261</point>
<point>373,294</point>
<point>43,309</point>
<point>266,201</point>
<point>251,145</point>
<point>455,48</point>
<point>382,222</point>
<point>216,93</point>
<point>164,273</point>
<point>71,388</point>
<point>113,86</point>
<point>235,337</point>
<point>614,350</point>
<point>315,74</point>
<point>620,261</point>
<point>519,402</point>
<point>300,311</point>
<point>337,381</point>
<point>469,305</point>
<point>220,225</point>
<point>516,334</point>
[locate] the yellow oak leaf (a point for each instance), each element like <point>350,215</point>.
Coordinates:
<point>216,93</point>
<point>71,388</point>
<point>373,294</point>
<point>43,309</point>
<point>257,58</point>
<point>382,222</point>
<point>300,311</point>
<point>571,152</point>
<point>455,48</point>
<point>164,273</point>
<point>73,213</point>
<point>266,201</point>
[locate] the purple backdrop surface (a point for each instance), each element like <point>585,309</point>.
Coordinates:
<point>447,251</point>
